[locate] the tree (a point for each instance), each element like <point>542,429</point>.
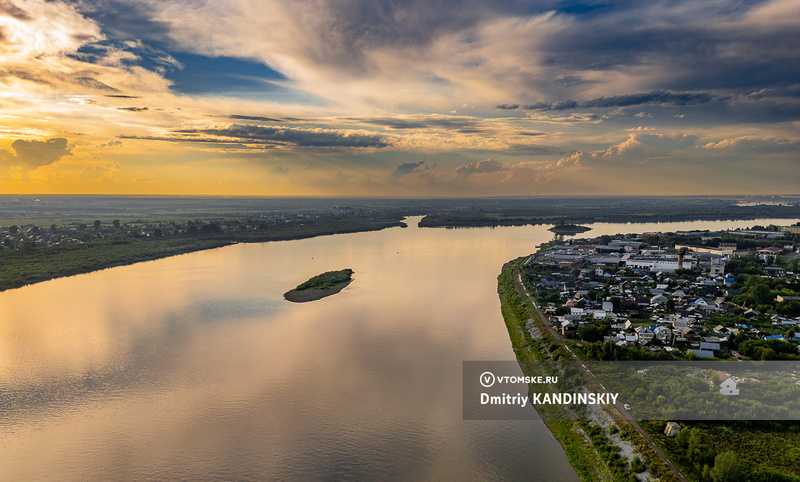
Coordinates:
<point>13,229</point>
<point>115,223</point>
<point>97,225</point>
<point>590,333</point>
<point>727,468</point>
<point>28,247</point>
<point>158,233</point>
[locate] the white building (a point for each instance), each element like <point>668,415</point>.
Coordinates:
<point>728,387</point>
<point>656,264</point>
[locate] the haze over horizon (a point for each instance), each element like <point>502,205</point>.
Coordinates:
<point>401,98</point>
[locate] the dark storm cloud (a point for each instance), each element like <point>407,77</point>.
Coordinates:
<point>699,45</point>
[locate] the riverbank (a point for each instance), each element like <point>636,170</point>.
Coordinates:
<point>608,210</point>
<point>35,264</point>
<point>587,443</point>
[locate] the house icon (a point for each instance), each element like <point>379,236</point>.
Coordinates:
<point>728,386</point>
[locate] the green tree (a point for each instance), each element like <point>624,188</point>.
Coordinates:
<point>97,225</point>
<point>13,229</point>
<point>115,223</point>
<point>727,468</point>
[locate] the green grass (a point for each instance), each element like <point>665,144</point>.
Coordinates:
<point>326,280</point>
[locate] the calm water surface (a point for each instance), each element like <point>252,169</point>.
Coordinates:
<point>194,367</point>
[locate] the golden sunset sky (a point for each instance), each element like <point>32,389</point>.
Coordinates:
<point>399,98</point>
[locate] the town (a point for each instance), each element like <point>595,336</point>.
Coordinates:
<point>683,295</point>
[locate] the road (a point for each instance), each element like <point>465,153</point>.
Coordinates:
<point>619,405</point>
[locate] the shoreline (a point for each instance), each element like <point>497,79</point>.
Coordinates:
<point>521,318</point>
<point>52,262</point>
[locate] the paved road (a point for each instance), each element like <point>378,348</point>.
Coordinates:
<point>619,406</point>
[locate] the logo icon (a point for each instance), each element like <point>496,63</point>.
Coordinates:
<point>487,379</point>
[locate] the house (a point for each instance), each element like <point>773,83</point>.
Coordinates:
<point>567,328</point>
<point>769,252</point>
<point>658,300</point>
<point>663,334</point>
<point>644,334</point>
<point>672,429</point>
<point>728,386</point>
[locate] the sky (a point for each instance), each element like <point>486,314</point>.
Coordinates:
<point>399,97</point>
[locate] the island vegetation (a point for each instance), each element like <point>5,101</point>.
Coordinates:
<point>569,229</point>
<point>320,286</point>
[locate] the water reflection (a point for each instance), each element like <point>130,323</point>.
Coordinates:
<point>195,367</point>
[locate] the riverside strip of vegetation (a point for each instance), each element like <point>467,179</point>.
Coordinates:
<point>586,443</point>
<point>29,258</point>
<point>320,286</point>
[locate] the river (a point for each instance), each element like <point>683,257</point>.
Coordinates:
<point>194,367</point>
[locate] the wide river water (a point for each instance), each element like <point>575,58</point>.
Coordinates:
<point>195,368</point>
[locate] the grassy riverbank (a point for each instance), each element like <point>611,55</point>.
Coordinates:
<point>587,444</point>
<point>20,267</point>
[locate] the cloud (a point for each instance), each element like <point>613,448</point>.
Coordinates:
<point>111,144</point>
<point>253,118</point>
<point>338,180</point>
<point>98,173</point>
<point>14,11</point>
<point>33,154</point>
<point>658,97</point>
<point>404,169</point>
<point>435,121</point>
<point>638,148</point>
<point>133,109</point>
<point>756,145</point>
<point>480,167</point>
<point>294,136</point>
<point>279,171</point>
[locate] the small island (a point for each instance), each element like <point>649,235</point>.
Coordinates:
<point>320,286</point>
<point>569,229</point>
